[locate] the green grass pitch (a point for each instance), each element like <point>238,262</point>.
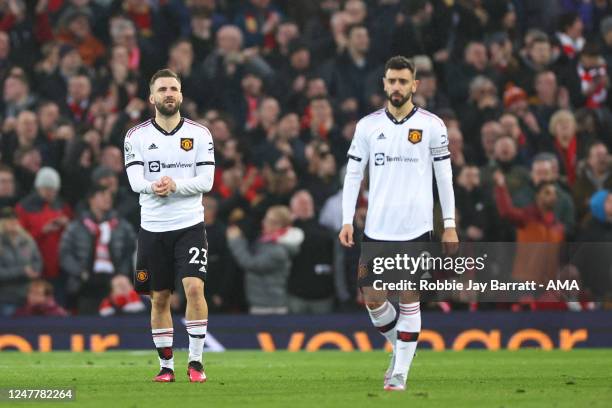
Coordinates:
<point>525,378</point>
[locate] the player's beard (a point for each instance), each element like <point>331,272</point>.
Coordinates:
<point>165,110</point>
<point>398,102</point>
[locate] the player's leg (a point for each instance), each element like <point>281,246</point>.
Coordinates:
<point>384,317</point>
<point>163,333</point>
<point>196,320</point>
<point>190,254</point>
<point>407,328</point>
<point>154,274</point>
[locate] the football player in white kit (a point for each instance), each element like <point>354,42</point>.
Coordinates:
<point>404,145</point>
<point>170,162</point>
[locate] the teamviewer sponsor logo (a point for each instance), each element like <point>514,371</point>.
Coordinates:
<point>401,159</point>
<point>176,165</point>
<point>154,166</point>
<point>379,159</point>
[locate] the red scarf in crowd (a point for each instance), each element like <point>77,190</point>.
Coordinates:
<point>102,233</point>
<point>587,76</point>
<point>569,158</point>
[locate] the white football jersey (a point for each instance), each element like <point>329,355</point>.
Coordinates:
<point>400,156</point>
<point>176,154</point>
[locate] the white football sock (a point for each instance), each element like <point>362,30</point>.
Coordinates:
<point>197,334</point>
<point>384,318</point>
<point>163,342</point>
<point>408,328</point>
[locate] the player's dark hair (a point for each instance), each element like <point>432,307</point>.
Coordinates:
<point>400,62</point>
<point>163,73</point>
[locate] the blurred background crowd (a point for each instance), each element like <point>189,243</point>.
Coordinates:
<point>523,87</point>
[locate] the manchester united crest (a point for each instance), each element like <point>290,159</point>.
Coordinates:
<point>415,135</point>
<point>142,276</point>
<point>186,144</point>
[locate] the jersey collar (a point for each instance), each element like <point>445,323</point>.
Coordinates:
<point>399,122</point>
<point>176,129</point>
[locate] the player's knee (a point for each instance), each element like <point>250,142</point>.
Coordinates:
<point>160,301</point>
<point>194,290</point>
<point>374,304</point>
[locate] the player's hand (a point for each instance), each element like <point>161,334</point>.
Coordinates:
<point>450,241</point>
<point>346,236</point>
<point>164,186</point>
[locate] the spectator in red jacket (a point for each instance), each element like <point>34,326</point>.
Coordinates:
<point>40,301</point>
<point>535,224</point>
<point>44,215</point>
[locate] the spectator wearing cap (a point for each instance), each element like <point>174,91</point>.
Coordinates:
<point>516,103</point>
<point>122,300</point>
<point>95,247</point>
<point>44,215</point>
<point>40,301</point>
<point>20,262</point>
<point>76,30</point>
<point>594,175</point>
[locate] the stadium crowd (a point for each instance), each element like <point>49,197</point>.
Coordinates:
<point>523,87</point>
